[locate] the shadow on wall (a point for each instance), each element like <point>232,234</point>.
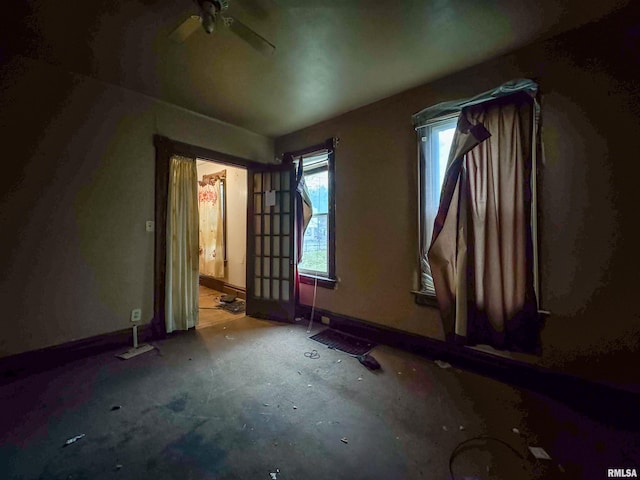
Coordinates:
<point>590,113</point>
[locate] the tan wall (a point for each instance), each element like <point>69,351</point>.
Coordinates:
<point>236,268</point>
<point>590,193</point>
<point>76,189</point>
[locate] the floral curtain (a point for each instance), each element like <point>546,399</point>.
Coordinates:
<point>211,228</point>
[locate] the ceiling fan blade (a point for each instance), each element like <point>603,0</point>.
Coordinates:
<point>252,38</point>
<point>185,29</point>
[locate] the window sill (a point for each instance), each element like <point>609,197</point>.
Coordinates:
<point>425,299</point>
<point>323,282</point>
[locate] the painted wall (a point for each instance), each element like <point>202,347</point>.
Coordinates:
<point>589,248</point>
<point>76,189</point>
<point>235,270</point>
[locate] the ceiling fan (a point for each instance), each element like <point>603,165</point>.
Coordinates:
<point>211,14</point>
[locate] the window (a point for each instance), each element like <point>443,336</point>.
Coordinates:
<point>315,259</point>
<point>318,245</point>
<point>435,145</point>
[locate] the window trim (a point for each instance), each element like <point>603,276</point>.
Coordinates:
<point>320,167</point>
<point>310,278</point>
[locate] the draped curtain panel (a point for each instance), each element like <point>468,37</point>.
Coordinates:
<point>481,253</point>
<point>211,250</point>
<point>181,301</point>
<point>304,210</point>
<point>303,214</point>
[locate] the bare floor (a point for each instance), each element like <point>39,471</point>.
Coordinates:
<point>241,400</point>
<point>209,311</point>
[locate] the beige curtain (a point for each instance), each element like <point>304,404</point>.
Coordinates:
<point>211,229</point>
<point>182,246</point>
<point>481,253</point>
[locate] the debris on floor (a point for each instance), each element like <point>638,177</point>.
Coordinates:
<point>228,298</point>
<point>539,453</point>
<point>445,428</point>
<point>461,428</point>
<point>265,404</point>
<point>442,364</point>
<point>229,337</point>
<point>516,431</point>
<point>339,361</point>
<point>368,361</point>
<point>313,354</point>
<point>295,408</point>
<point>359,379</point>
<point>118,467</point>
<point>115,407</point>
<point>344,440</point>
<point>135,351</point>
<point>236,306</point>
<point>274,475</point>
<point>73,439</point>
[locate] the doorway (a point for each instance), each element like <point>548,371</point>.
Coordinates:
<point>222,203</point>
<point>269,222</point>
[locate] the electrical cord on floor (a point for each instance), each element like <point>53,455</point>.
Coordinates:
<point>458,447</point>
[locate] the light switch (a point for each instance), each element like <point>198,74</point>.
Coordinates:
<point>149,226</point>
<point>270,198</point>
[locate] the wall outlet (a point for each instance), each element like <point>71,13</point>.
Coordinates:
<point>325,320</point>
<point>149,226</point>
<point>136,314</point>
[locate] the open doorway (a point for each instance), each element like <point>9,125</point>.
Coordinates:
<point>268,256</point>
<point>222,205</point>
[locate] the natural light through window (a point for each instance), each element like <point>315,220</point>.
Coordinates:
<point>436,138</point>
<point>445,137</point>
<point>315,257</point>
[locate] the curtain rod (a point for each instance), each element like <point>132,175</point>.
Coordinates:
<point>212,177</point>
<point>447,108</point>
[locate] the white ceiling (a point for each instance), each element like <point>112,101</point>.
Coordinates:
<point>332,56</point>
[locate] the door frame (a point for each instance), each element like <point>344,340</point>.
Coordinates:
<point>165,149</point>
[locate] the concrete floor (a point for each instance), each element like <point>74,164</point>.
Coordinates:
<point>240,400</point>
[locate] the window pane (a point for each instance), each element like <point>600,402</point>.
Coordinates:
<point>256,286</point>
<point>441,139</point>
<point>434,153</point>
<point>316,237</point>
